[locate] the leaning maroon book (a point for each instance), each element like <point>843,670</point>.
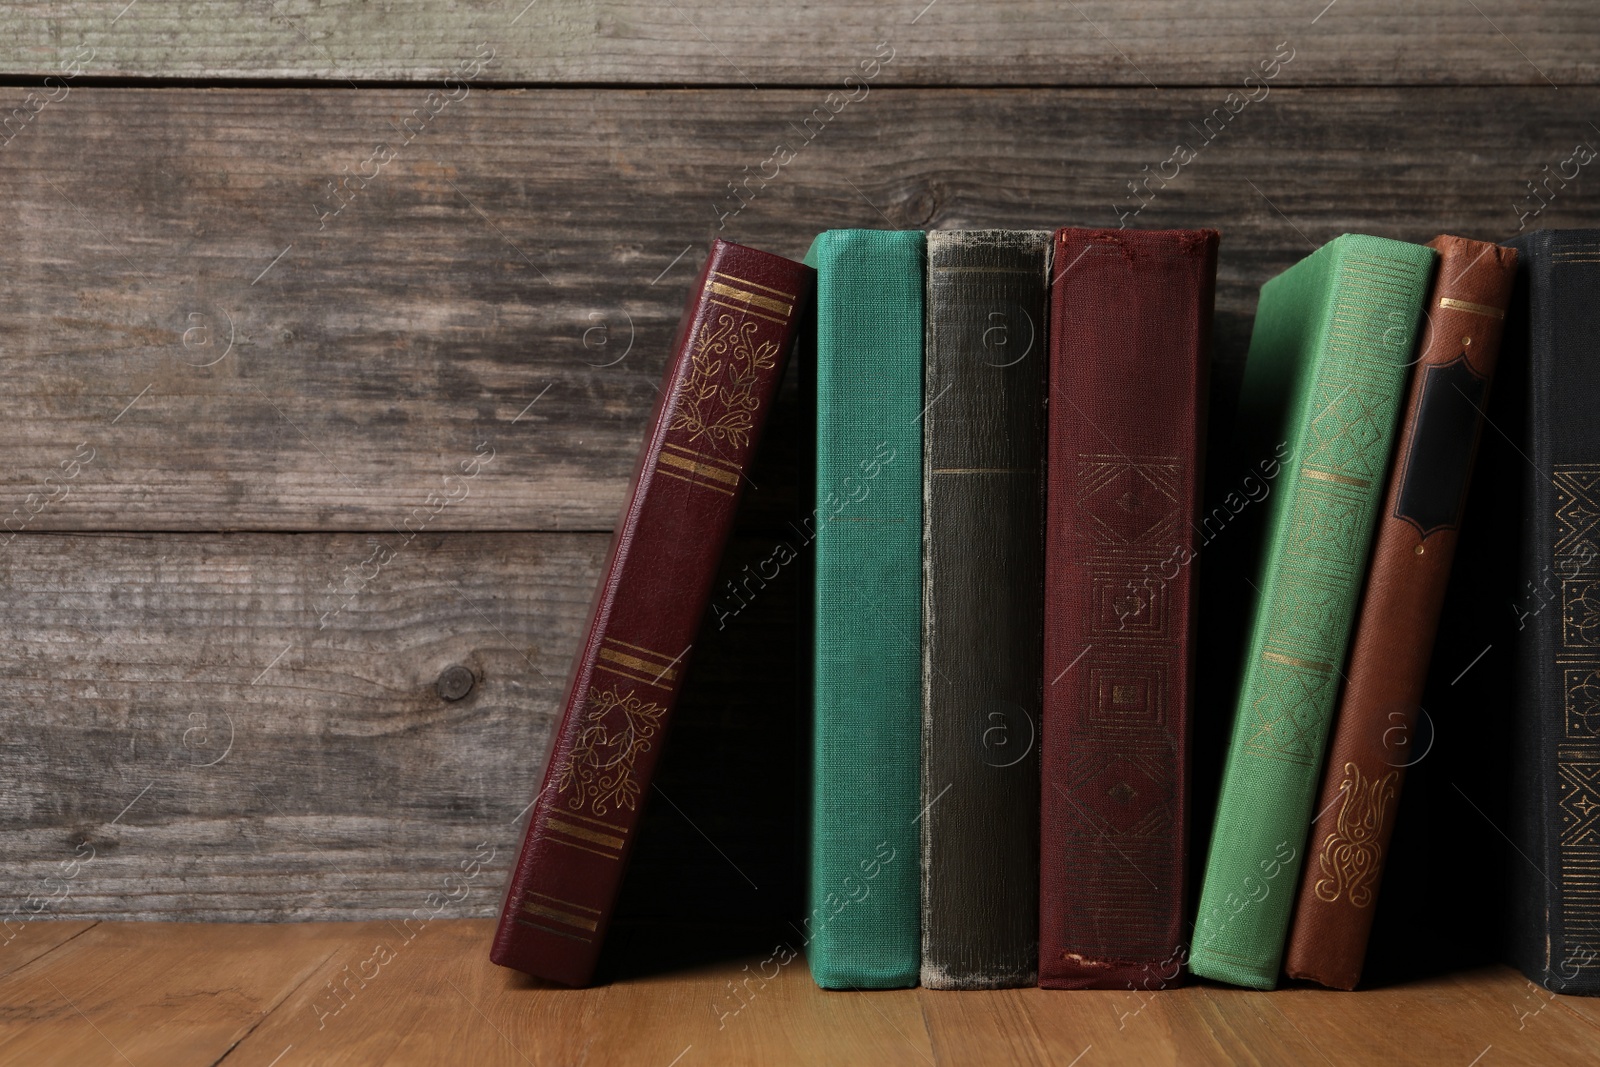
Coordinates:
<point>726,363</point>
<point>1130,332</point>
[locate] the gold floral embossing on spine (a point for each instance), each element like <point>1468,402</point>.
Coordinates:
<point>1350,856</point>
<point>599,773</point>
<point>718,401</point>
<point>716,406</point>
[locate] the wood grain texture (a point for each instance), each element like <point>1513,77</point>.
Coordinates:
<point>248,727</point>
<point>356,993</point>
<point>244,727</point>
<point>1096,42</point>
<point>147,993</point>
<point>1514,1017</point>
<point>525,239</point>
<point>28,939</point>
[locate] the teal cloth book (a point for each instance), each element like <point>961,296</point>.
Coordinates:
<point>865,892</point>
<point>1324,382</point>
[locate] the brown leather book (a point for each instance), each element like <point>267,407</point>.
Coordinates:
<point>1375,730</point>
<point>729,357</point>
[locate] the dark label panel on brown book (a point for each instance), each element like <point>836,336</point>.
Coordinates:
<point>1448,417</point>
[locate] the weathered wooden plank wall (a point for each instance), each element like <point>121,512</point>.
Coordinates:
<point>533,245</point>
<point>701,42</point>
<point>282,446</point>
<point>274,722</point>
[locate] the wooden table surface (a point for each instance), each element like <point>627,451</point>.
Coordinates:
<point>283,995</point>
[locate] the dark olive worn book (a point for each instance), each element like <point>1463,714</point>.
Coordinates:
<point>982,629</point>
<point>1552,337</point>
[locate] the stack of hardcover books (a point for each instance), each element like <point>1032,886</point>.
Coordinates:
<point>1010,433</point>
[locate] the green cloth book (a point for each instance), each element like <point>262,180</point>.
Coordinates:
<point>865,893</point>
<point>1323,385</point>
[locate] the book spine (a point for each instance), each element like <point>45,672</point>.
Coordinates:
<point>729,356</point>
<point>1413,551</point>
<point>1347,383</point>
<point>982,626</point>
<point>862,929</point>
<point>1129,342</point>
<point>1556,769</point>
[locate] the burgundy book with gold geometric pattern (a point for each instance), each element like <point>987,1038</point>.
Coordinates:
<point>1130,334</point>
<point>727,361</point>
